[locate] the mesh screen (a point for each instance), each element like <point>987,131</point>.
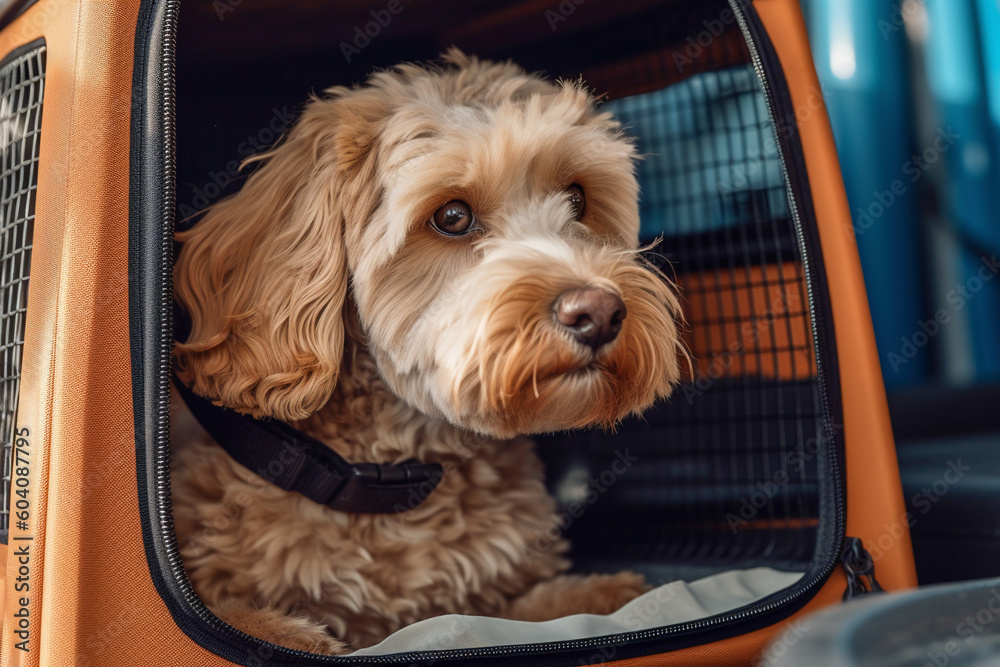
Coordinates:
<point>725,473</point>
<point>21,82</point>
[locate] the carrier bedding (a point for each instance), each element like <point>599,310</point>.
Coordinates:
<point>669,604</point>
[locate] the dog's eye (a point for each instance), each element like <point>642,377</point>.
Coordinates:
<point>454,219</point>
<point>577,201</point>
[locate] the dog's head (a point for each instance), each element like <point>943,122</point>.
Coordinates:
<point>485,224</point>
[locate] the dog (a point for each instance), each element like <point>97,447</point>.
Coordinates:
<point>433,266</point>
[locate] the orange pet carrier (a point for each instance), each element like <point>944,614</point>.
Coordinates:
<point>119,119</point>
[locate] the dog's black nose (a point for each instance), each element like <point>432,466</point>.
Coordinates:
<point>593,315</point>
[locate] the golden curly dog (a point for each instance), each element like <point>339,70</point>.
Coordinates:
<point>429,266</point>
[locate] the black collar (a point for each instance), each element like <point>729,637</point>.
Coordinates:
<point>293,461</point>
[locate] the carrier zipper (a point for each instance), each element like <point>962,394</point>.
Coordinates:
<point>195,606</point>
<point>167,112</point>
<point>752,30</point>
<point>750,24</point>
<point>168,53</point>
<point>860,568</point>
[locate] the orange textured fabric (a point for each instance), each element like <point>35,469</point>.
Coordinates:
<point>92,602</point>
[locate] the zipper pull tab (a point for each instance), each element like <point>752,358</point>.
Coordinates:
<point>860,568</point>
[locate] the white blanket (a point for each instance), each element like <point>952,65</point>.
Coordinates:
<point>676,602</point>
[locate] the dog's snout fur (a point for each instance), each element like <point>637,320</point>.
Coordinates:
<point>591,314</point>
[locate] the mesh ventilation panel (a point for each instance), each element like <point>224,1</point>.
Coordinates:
<point>22,76</point>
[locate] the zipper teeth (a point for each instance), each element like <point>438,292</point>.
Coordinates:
<point>819,336</point>
<point>168,59</point>
<point>167,75</point>
<point>162,465</point>
<point>794,210</point>
<point>168,115</point>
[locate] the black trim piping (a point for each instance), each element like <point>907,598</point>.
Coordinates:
<point>151,221</point>
<point>21,50</point>
<point>833,485</point>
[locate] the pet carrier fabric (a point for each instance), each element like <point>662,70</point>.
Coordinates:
<point>106,586</point>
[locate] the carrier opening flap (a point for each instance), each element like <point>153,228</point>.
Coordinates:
<point>675,602</point>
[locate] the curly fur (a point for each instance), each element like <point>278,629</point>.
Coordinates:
<point>319,295</point>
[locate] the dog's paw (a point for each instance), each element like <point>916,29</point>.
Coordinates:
<point>607,593</point>
<point>577,594</point>
<point>315,642</point>
<point>277,627</point>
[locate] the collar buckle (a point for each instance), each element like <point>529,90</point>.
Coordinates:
<point>384,488</point>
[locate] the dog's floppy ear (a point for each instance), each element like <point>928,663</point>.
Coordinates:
<point>264,275</point>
